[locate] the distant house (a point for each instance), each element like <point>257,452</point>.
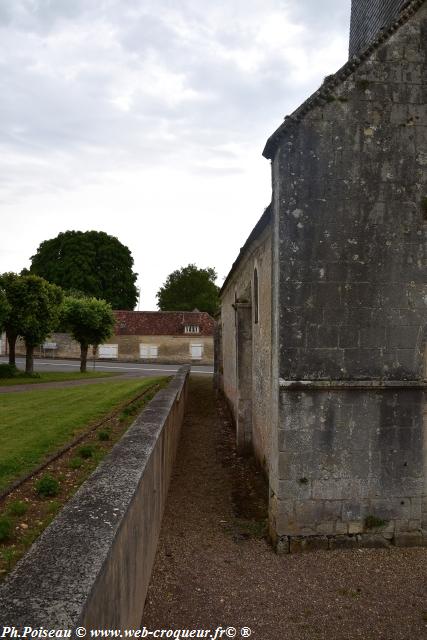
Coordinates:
<point>164,336</point>
<point>146,336</point>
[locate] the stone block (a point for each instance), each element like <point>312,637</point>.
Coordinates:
<point>359,438</point>
<point>409,539</point>
<point>309,543</point>
<point>309,512</point>
<point>341,528</point>
<point>388,535</point>
<point>401,526</point>
<point>327,336</point>
<point>282,545</point>
<point>293,466</point>
<point>355,527</point>
<point>333,489</point>
<point>325,528</point>
<point>295,489</point>
<point>287,526</point>
<point>295,440</point>
<point>285,507</point>
<point>390,509</point>
<point>374,541</point>
<point>372,336</point>
<point>403,337</point>
<point>364,363</point>
<point>332,510</point>
<point>349,337</point>
<point>352,511</point>
<point>344,542</point>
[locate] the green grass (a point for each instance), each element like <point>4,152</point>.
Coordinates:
<point>54,376</point>
<point>36,423</point>
<point>17,508</point>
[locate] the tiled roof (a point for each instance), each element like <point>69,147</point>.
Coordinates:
<point>321,96</point>
<point>162,323</point>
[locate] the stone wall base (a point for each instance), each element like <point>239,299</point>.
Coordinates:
<point>301,544</point>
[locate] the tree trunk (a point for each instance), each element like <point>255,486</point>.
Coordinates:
<point>11,340</point>
<point>83,357</point>
<point>29,359</point>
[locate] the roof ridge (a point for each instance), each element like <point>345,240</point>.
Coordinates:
<point>159,311</point>
<point>262,223</point>
<point>321,95</point>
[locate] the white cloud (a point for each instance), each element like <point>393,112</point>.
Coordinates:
<point>147,120</point>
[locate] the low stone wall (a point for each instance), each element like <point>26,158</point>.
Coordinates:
<point>92,566</point>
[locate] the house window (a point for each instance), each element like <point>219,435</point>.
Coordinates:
<point>196,351</point>
<point>256,295</point>
<point>192,328</point>
<point>108,350</point>
<point>148,351</point>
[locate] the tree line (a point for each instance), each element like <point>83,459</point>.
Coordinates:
<point>32,308</point>
<point>74,282</point>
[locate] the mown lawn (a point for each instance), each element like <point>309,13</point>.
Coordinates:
<point>54,376</point>
<point>34,424</point>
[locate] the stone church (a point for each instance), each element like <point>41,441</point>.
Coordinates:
<point>323,318</point>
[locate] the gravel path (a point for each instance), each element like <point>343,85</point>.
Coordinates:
<point>214,568</point>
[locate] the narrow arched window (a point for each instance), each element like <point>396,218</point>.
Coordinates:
<point>256,296</point>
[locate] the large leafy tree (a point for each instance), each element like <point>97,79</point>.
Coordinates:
<point>4,308</point>
<point>34,312</point>
<point>189,288</point>
<point>90,322</point>
<point>92,262</point>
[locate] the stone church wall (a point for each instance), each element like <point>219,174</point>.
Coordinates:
<point>241,288</point>
<point>350,206</point>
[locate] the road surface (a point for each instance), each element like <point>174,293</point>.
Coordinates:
<point>136,368</point>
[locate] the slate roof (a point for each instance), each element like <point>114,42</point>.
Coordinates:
<point>321,96</point>
<point>162,323</point>
<point>262,224</point>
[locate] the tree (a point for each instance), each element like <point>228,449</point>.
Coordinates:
<point>11,323</point>
<point>90,321</point>
<point>189,288</point>
<point>4,308</point>
<point>40,311</point>
<point>92,262</point>
<point>34,312</point>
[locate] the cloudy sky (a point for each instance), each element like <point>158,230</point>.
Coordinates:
<point>146,119</point>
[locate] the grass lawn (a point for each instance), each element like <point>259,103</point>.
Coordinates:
<point>34,424</point>
<point>54,376</point>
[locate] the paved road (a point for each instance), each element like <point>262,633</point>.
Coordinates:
<point>132,368</point>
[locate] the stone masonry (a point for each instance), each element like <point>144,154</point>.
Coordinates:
<point>349,201</point>
<point>345,336</point>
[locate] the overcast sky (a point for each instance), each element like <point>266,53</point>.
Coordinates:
<point>146,119</point>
